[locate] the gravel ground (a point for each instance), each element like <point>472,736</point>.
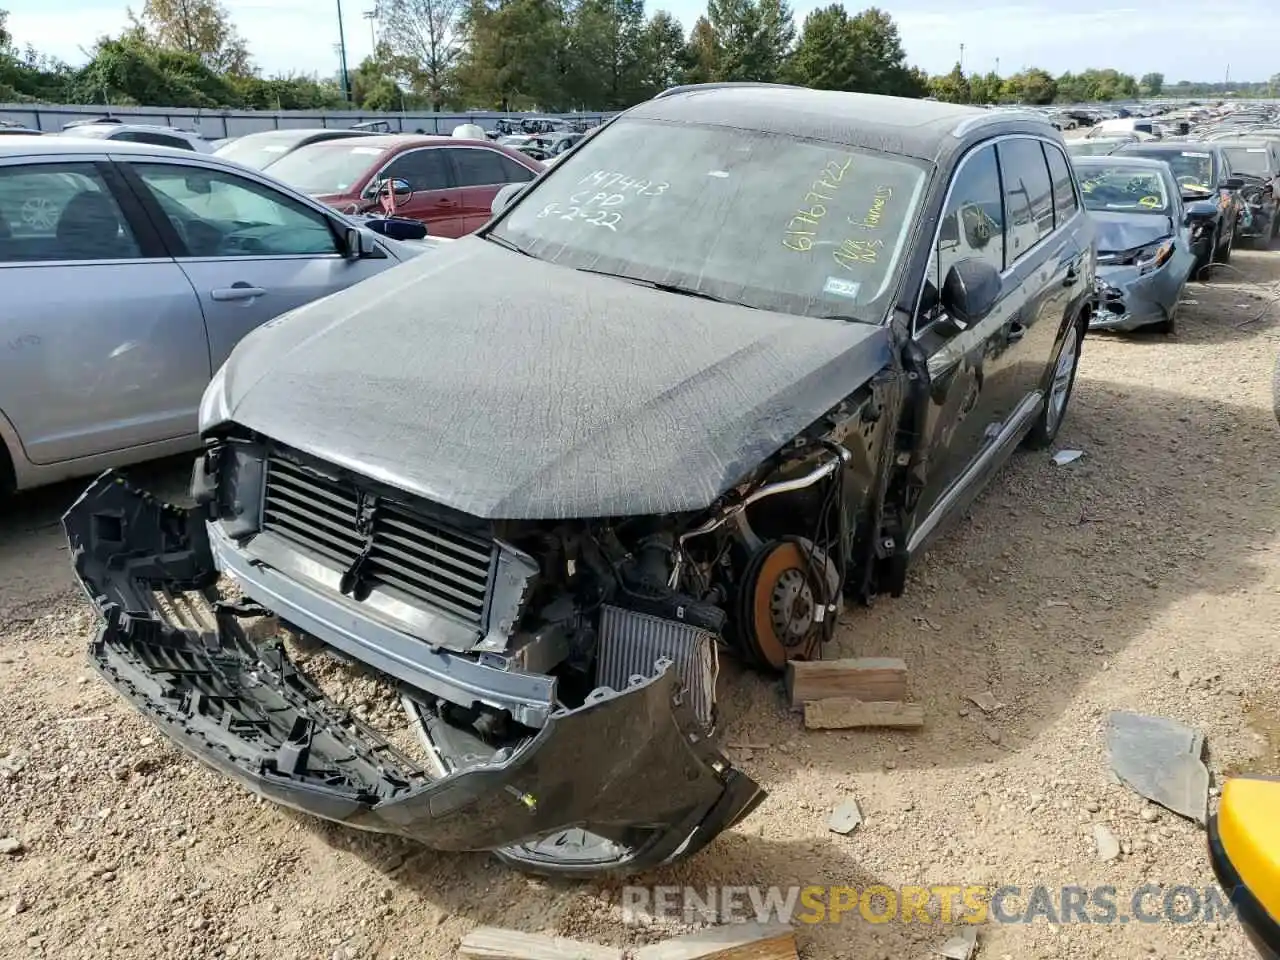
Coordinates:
<point>1144,576</point>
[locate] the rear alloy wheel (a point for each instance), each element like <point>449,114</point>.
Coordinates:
<point>1061,383</point>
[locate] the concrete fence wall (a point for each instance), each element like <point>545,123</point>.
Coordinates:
<point>216,124</point>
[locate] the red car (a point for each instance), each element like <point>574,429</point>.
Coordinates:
<point>453,181</point>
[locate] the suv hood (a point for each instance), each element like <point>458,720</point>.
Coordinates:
<point>507,387</point>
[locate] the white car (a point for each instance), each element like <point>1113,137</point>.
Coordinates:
<point>109,128</point>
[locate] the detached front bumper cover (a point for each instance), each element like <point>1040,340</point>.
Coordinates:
<point>625,782</point>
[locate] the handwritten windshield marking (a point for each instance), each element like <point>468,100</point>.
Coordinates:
<point>873,217</point>
<point>852,252</point>
<point>606,180</point>
<point>821,192</point>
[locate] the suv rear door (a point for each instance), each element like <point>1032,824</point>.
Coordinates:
<point>1046,259</point>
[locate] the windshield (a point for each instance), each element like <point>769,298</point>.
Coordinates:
<point>321,168</point>
<point>257,152</point>
<point>1123,189</point>
<point>1249,160</point>
<point>1191,168</point>
<point>755,218</point>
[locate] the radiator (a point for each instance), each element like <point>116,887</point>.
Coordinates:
<point>632,643</point>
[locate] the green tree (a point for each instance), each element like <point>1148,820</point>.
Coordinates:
<point>952,87</point>
<point>132,70</point>
<point>986,87</point>
<point>605,45</point>
<point>825,57</point>
<point>515,54</point>
<point>703,54</point>
<point>1031,86</point>
<point>662,54</point>
<point>752,38</point>
<point>863,53</point>
<point>1152,84</point>
<point>202,28</point>
<point>425,38</point>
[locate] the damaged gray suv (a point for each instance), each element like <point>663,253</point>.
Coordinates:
<point>739,356</point>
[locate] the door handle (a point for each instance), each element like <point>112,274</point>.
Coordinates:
<point>1072,276</point>
<point>237,291</point>
<point>1016,332</point>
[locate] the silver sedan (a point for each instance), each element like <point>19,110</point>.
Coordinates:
<point>127,274</point>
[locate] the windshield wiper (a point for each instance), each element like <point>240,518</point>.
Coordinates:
<point>667,287</point>
<point>507,244</point>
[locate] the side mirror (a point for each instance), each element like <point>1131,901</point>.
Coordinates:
<point>505,197</point>
<point>970,291</point>
<point>1233,183</point>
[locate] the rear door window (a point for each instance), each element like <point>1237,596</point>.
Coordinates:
<point>478,168</point>
<point>1064,191</point>
<point>1028,195</point>
<point>58,212</point>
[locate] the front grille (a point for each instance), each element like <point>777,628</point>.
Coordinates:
<point>419,559</point>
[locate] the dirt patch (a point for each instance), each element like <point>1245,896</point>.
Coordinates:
<point>1144,576</point>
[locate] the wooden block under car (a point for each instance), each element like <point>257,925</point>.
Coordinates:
<point>737,941</point>
<point>846,713</point>
<point>494,943</point>
<point>869,679</point>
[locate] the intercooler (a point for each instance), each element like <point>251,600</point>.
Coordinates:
<point>631,644</point>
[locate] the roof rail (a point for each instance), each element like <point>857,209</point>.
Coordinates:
<point>373,126</point>
<point>722,85</point>
<point>996,116</point>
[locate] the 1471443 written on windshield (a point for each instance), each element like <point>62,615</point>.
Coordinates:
<point>851,250</point>
<point>602,198</point>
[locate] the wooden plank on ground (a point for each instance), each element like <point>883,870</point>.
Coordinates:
<point>736,941</point>
<point>863,678</point>
<point>846,713</point>
<point>494,943</point>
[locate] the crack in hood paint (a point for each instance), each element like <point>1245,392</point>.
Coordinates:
<point>507,387</point>
<point>1118,232</point>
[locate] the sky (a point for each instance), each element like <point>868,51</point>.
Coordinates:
<point>1173,37</point>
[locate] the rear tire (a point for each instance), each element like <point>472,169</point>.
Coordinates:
<point>1060,383</point>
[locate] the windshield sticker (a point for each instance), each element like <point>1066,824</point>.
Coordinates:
<point>718,174</point>
<point>1199,156</point>
<point>840,287</point>
<point>823,190</point>
<point>1255,149</point>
